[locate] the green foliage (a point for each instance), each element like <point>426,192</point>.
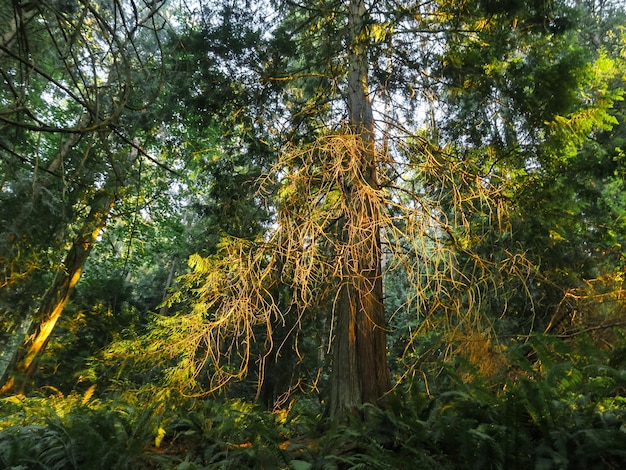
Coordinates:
<point>526,104</point>
<point>558,405</point>
<point>229,435</point>
<point>562,410</point>
<point>73,433</point>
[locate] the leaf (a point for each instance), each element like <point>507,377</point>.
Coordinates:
<point>379,32</point>
<point>159,437</point>
<point>88,394</point>
<point>300,465</point>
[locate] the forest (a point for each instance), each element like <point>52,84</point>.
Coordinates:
<point>312,234</point>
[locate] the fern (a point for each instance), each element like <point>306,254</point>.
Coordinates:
<point>70,435</point>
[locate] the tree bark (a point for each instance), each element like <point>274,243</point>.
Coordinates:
<point>360,372</point>
<point>168,283</point>
<point>17,229</point>
<point>59,292</point>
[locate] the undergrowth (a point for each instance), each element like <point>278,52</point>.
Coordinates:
<point>557,406</point>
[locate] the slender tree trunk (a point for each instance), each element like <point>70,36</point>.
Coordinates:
<point>59,292</point>
<point>21,15</point>
<point>279,364</point>
<point>11,346</point>
<point>168,283</point>
<point>41,182</point>
<point>360,372</point>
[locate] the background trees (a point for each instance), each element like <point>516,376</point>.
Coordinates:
<point>70,141</point>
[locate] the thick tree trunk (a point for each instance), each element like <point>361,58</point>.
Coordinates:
<point>59,292</point>
<point>360,372</point>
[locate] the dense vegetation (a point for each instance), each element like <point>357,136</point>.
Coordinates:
<point>319,234</point>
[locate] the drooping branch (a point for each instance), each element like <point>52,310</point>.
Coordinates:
<point>317,247</point>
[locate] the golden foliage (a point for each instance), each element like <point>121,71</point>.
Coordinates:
<point>595,308</point>
<point>339,210</point>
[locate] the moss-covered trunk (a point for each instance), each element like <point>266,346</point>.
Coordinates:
<point>58,294</point>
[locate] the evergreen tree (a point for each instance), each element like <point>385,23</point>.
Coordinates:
<point>341,195</point>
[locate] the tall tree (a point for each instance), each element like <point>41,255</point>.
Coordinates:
<point>402,131</point>
<point>360,373</point>
<point>534,98</point>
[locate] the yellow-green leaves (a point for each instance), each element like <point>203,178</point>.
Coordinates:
<point>159,437</point>
<point>599,97</point>
<point>379,32</point>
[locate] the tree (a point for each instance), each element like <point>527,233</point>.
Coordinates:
<point>360,373</point>
<point>71,76</point>
<point>541,112</point>
<point>335,202</point>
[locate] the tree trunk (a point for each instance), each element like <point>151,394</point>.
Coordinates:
<point>278,365</point>
<point>360,372</point>
<point>59,292</point>
<point>168,283</point>
<point>22,13</point>
<point>11,346</point>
